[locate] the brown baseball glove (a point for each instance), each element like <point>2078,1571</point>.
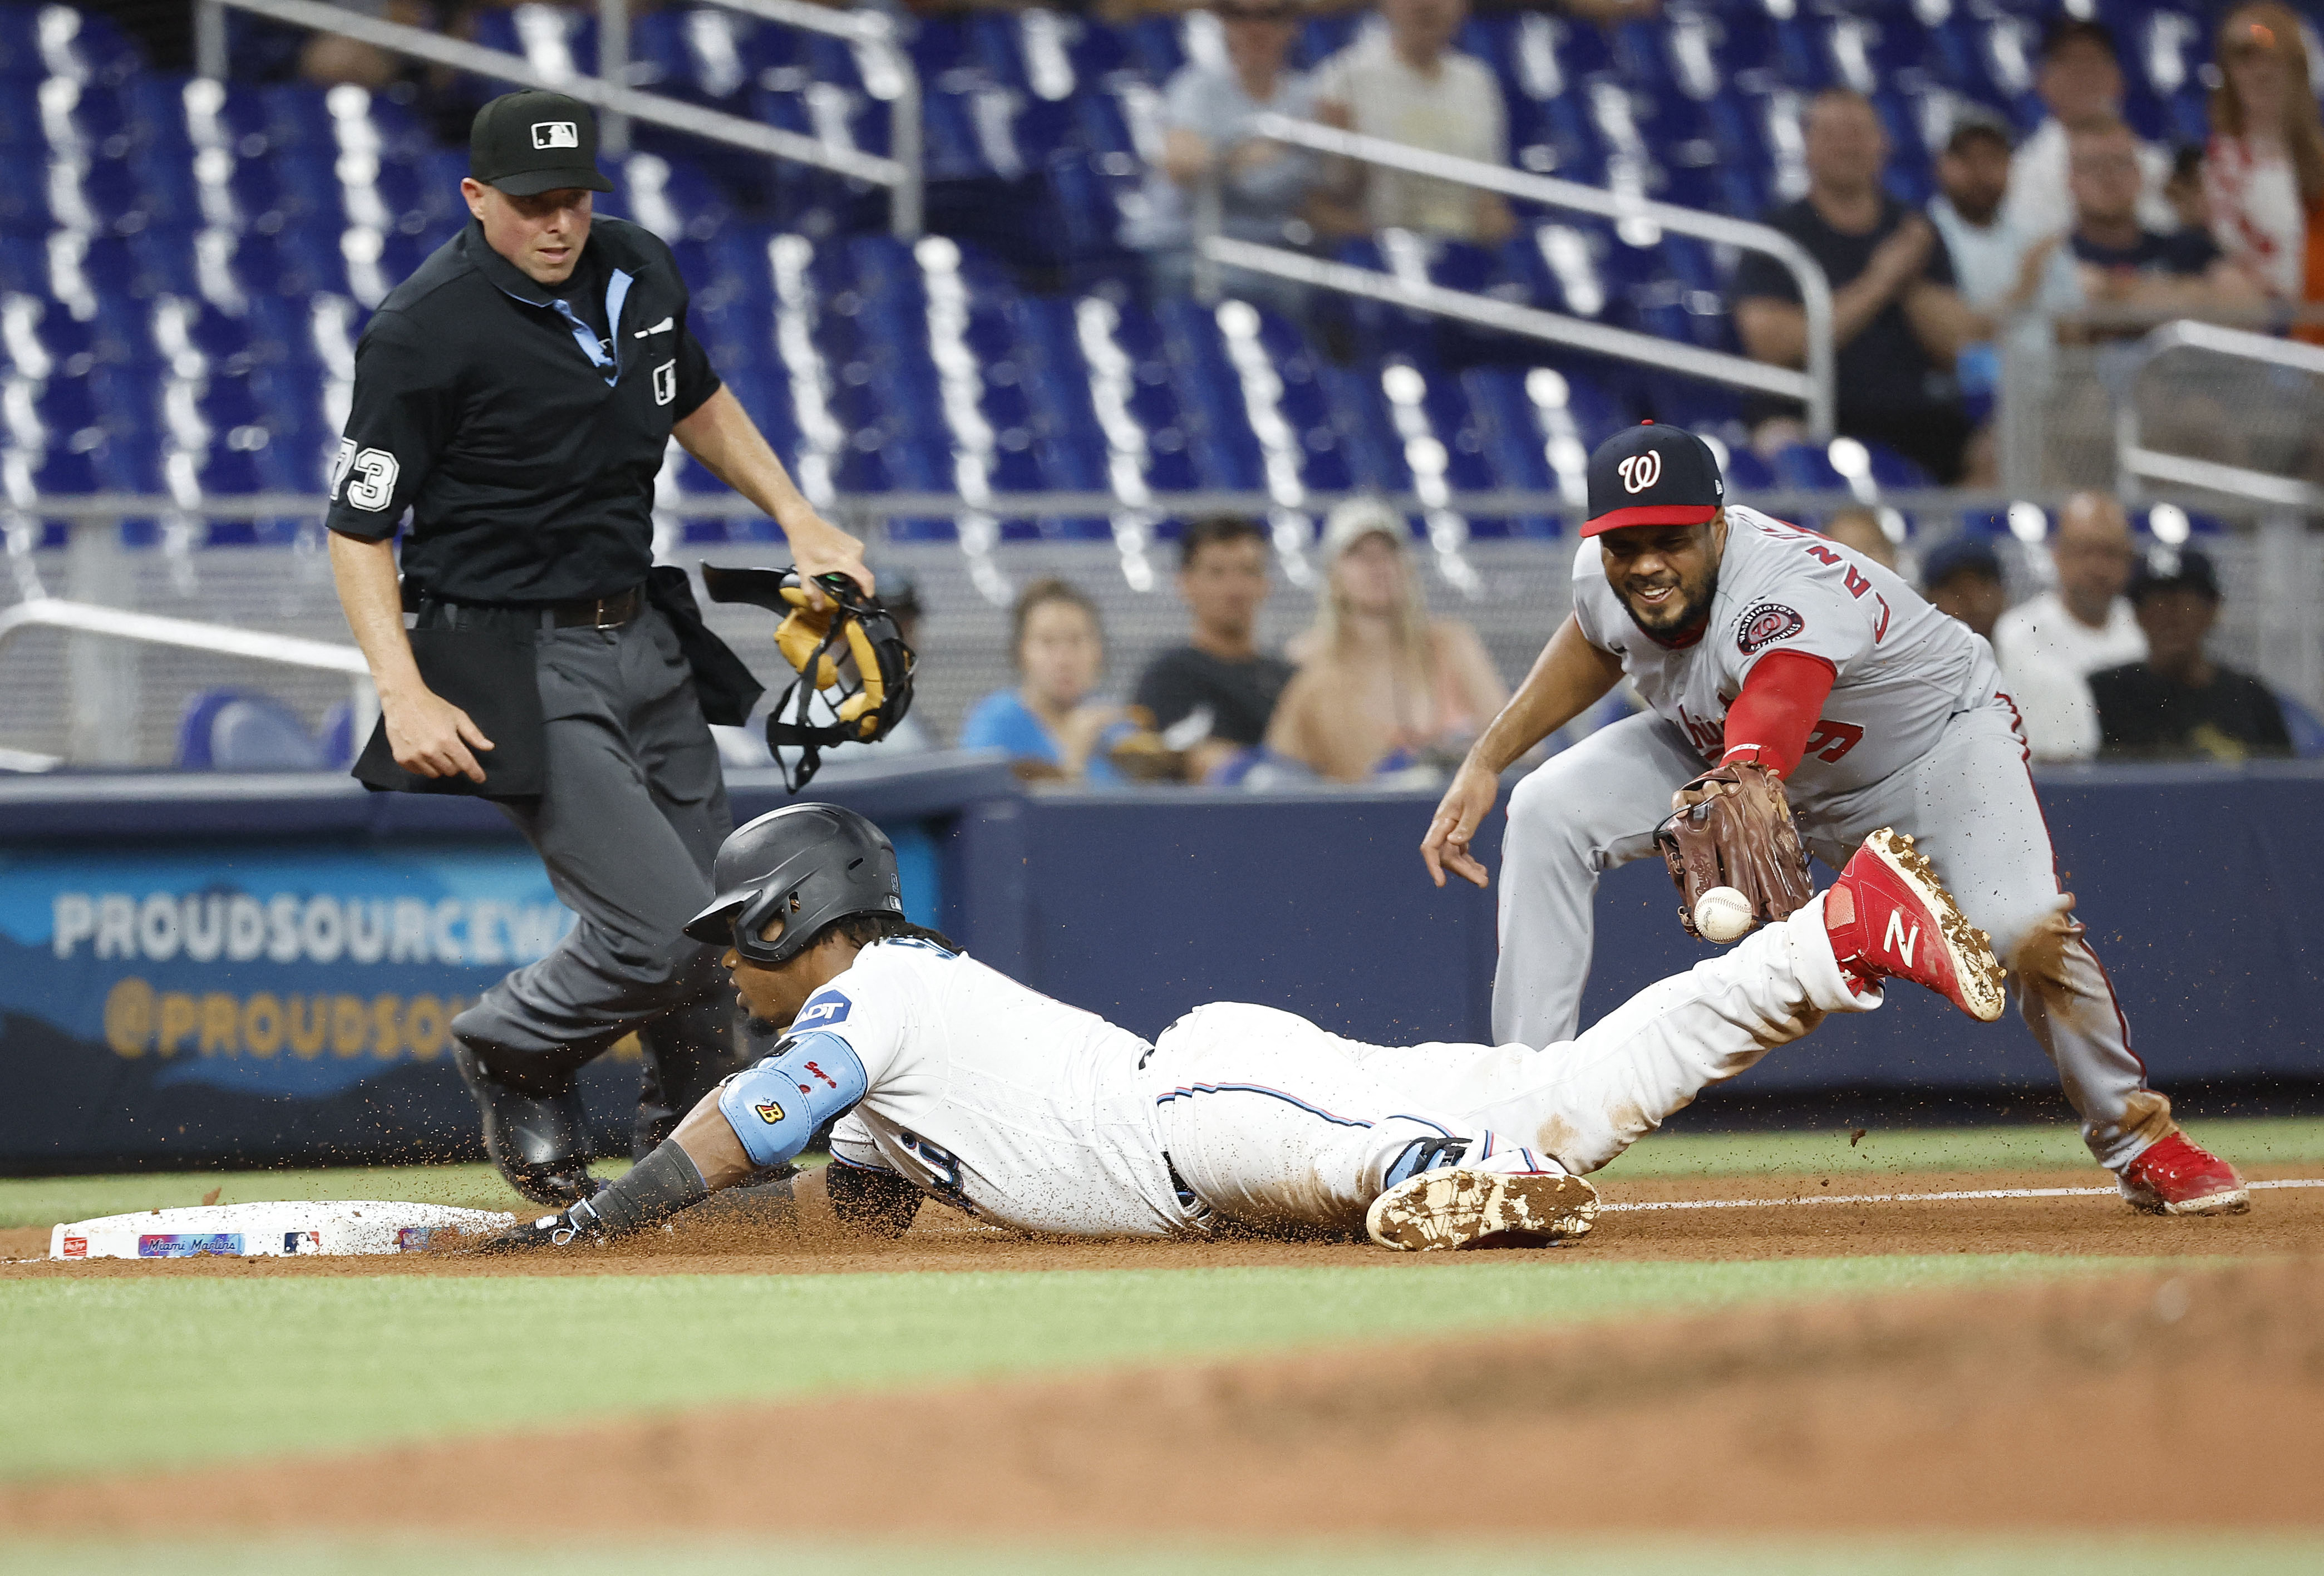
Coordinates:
<point>1733,827</point>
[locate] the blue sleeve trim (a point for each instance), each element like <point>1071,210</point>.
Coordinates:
<point>775,1106</point>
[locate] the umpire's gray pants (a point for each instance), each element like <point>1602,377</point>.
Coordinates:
<point>633,812</point>
<point>1971,806</point>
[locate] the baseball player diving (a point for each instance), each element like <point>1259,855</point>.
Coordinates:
<point>950,1080</point>
<point>1786,673</point>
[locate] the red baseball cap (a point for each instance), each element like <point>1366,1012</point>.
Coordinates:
<point>1653,475</point>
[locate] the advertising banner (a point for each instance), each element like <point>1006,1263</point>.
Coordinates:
<point>208,999</point>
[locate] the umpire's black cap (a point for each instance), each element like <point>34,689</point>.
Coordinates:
<point>534,142</point>
<point>1653,475</point>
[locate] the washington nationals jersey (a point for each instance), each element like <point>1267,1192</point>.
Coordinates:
<point>1004,1104</point>
<point>1902,667</point>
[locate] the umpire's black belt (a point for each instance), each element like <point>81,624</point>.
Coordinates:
<point>603,613</point>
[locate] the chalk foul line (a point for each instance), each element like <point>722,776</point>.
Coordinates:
<point>1897,1198</point>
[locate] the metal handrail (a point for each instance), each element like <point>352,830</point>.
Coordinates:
<point>2135,462</point>
<point>89,618</point>
<point>902,178</point>
<point>1812,386</point>
<point>102,508</point>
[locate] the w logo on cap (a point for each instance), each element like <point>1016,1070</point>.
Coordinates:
<point>556,133</point>
<point>1641,471</point>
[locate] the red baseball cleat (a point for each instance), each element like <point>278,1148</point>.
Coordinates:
<point>2173,1176</point>
<point>1889,917</point>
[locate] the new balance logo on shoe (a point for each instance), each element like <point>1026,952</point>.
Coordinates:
<point>1896,941</point>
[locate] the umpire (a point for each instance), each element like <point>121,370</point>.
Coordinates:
<point>518,393</point>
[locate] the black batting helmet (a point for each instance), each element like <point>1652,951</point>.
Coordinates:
<point>806,865</point>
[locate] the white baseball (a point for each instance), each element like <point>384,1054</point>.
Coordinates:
<point>1722,913</point>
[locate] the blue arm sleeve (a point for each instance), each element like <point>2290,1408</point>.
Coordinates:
<point>775,1106</point>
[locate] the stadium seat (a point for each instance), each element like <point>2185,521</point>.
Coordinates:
<point>232,730</point>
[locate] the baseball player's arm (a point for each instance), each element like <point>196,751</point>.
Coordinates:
<point>720,434</point>
<point>428,734</point>
<point>1569,678</point>
<point>1777,710</point>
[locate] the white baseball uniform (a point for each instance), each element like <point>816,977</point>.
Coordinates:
<point>1026,1112</point>
<point>1918,733</point>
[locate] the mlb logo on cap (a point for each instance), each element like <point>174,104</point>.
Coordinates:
<point>1653,475</point>
<point>556,133</point>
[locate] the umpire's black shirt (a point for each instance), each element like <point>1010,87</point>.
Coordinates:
<point>524,436</point>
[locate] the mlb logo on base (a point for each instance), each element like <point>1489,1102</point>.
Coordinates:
<point>556,133</point>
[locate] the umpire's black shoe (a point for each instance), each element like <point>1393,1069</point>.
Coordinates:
<point>535,1130</point>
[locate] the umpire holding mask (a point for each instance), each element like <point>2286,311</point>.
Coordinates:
<point>517,395</point>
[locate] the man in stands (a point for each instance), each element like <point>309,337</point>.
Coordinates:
<point>1413,86</point>
<point>1897,320</point>
<point>2179,702</point>
<point>1220,672</point>
<point>2080,84</point>
<point>2049,646</point>
<point>1962,579</point>
<point>2118,260</point>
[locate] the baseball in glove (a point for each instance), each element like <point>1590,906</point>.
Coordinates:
<point>1733,827</point>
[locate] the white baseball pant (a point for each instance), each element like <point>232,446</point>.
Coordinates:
<point>1273,1121</point>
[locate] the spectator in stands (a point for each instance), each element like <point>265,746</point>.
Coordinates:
<point>1213,697</point>
<point>2179,702</point>
<point>1860,528</point>
<point>2263,170</point>
<point>1412,86</point>
<point>1381,687</point>
<point>1048,724</point>
<point>2080,84</point>
<point>1263,187</point>
<point>1962,579</point>
<point>2049,646</point>
<point>2001,271</point>
<point>2120,262</point>
<point>1897,320</point>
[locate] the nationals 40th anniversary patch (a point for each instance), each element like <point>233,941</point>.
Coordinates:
<point>1765,624</point>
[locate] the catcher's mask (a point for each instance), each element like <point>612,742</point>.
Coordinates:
<point>855,670</point>
<point>806,865</point>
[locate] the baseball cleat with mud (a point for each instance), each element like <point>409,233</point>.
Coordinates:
<point>2177,1177</point>
<point>1458,1206</point>
<point>1889,917</point>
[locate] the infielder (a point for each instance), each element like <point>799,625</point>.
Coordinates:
<point>952,1081</point>
<point>1773,658</point>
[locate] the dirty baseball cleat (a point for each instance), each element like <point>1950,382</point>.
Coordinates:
<point>1889,917</point>
<point>535,1130</point>
<point>1531,1205</point>
<point>2175,1176</point>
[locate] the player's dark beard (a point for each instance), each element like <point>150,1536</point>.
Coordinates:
<point>1674,623</point>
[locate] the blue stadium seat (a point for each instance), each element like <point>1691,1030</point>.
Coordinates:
<point>233,730</point>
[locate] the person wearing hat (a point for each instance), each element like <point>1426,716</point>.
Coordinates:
<point>1764,651</point>
<point>1963,577</point>
<point>2179,702</point>
<point>1381,686</point>
<point>516,396</point>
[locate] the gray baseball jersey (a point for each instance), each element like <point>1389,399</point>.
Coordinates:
<point>1902,669</point>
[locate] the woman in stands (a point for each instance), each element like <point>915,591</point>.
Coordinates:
<point>2264,172</point>
<point>1381,688</point>
<point>1048,724</point>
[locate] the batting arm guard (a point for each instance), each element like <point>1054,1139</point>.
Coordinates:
<point>775,1106</point>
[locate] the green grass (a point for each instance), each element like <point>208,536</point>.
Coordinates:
<point>45,1200</point>
<point>2245,1140</point>
<point>126,1373</point>
<point>1838,1554</point>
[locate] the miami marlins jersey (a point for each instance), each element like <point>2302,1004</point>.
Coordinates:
<point>1010,1106</point>
<point>1902,667</point>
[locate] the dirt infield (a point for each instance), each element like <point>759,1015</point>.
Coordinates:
<point>2186,1400</point>
<point>2281,1223</point>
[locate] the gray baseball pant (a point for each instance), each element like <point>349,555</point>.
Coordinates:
<point>1971,806</point>
<point>634,812</point>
